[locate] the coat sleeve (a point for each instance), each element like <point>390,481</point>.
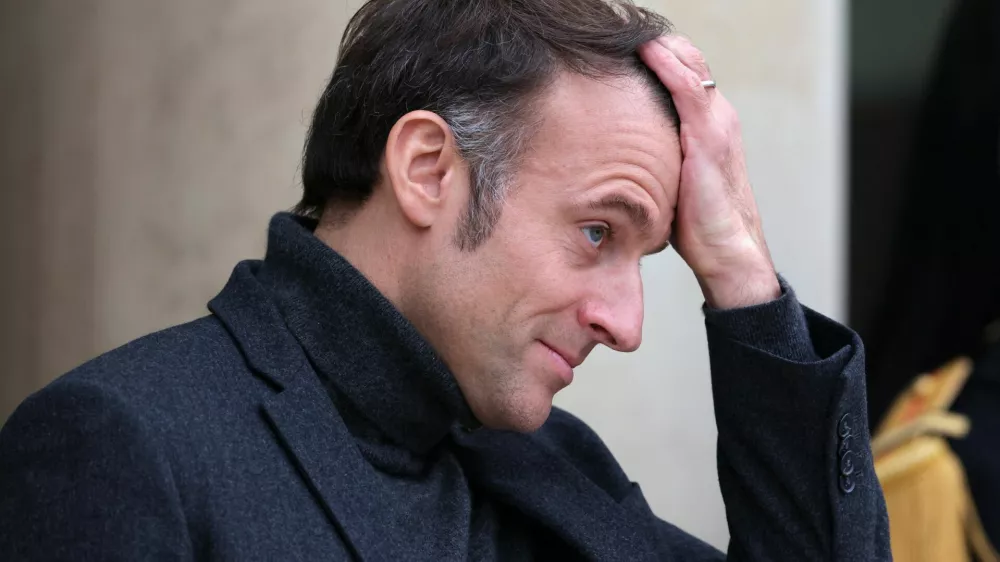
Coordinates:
<point>794,461</point>
<point>82,478</point>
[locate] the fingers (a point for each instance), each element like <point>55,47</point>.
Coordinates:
<point>693,101</point>
<point>688,54</point>
<point>691,57</point>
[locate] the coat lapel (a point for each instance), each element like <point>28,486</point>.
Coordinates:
<point>522,472</point>
<point>304,420</point>
<point>344,483</point>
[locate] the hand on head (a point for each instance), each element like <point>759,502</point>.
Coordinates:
<point>717,229</point>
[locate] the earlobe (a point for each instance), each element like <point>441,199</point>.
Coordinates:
<point>419,157</point>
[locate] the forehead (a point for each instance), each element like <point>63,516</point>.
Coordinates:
<point>594,130</point>
<point>598,136</point>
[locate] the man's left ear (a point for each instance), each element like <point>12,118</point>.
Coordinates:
<point>421,162</point>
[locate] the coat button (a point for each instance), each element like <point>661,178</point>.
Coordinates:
<point>847,463</point>
<point>846,426</point>
<point>846,484</point>
<point>845,430</point>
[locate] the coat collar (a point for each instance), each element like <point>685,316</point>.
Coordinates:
<point>358,342</point>
<point>303,419</point>
<point>303,317</point>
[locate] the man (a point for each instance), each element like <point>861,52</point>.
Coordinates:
<point>481,180</point>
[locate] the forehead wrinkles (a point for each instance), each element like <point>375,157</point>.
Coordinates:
<point>599,130</point>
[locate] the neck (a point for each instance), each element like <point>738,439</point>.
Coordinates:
<point>368,239</point>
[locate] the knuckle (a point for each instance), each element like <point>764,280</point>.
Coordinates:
<point>721,145</point>
<point>692,81</point>
<point>733,122</point>
<point>698,59</point>
<point>693,56</point>
<point>723,151</point>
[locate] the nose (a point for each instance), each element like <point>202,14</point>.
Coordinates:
<point>614,313</point>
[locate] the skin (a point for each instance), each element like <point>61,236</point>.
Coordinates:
<point>607,181</point>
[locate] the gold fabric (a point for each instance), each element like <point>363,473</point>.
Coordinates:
<point>932,517</point>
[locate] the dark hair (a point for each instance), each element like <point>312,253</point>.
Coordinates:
<point>479,64</point>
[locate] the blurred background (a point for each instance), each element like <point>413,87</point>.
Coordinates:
<point>144,145</point>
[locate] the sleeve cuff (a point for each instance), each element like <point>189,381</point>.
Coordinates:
<point>778,328</point>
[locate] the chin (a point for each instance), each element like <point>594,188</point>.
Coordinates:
<point>523,412</point>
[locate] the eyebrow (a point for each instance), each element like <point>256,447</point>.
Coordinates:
<point>636,212</point>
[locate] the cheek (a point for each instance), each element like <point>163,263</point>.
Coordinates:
<point>534,263</point>
<point>547,286</point>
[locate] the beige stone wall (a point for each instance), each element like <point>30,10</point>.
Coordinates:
<point>145,144</point>
<point>200,130</point>
<point>47,182</point>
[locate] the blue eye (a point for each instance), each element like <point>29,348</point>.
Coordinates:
<point>596,234</point>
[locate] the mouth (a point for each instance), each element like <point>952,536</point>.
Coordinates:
<point>570,360</point>
<point>562,362</point>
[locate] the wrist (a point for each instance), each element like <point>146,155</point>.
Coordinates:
<point>740,288</point>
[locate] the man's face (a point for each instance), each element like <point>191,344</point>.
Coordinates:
<point>560,273</point>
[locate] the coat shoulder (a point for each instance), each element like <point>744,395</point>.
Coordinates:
<point>177,363</point>
<point>173,381</point>
<point>116,454</point>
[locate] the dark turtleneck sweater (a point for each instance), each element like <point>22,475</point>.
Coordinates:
<point>402,404</point>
